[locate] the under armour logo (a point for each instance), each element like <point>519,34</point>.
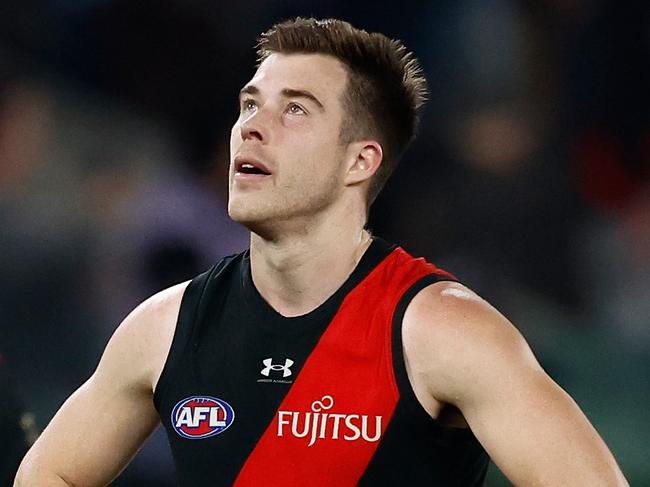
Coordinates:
<point>269,366</point>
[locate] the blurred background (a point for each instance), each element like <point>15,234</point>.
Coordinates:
<point>530,181</point>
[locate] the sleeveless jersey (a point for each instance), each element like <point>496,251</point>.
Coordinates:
<point>251,398</point>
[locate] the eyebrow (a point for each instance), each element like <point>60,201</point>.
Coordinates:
<point>286,92</point>
<point>289,93</point>
<point>249,90</point>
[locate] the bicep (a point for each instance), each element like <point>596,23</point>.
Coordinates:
<point>95,433</point>
<point>534,431</point>
<point>479,362</point>
<point>103,424</point>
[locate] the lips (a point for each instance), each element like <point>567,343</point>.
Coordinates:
<point>245,165</point>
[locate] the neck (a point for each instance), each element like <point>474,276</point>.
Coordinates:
<point>297,273</point>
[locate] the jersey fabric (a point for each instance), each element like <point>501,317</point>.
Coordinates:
<point>249,397</point>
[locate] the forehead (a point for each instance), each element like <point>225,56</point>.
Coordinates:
<point>323,75</point>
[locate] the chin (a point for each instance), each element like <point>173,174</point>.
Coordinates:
<point>248,215</point>
<point>241,215</point>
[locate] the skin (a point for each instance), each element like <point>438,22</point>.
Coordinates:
<point>468,365</point>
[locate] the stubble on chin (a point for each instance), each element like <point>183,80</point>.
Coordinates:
<point>254,215</point>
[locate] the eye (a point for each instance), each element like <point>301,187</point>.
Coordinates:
<point>248,104</point>
<point>295,109</point>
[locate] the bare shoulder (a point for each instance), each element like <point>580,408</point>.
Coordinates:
<point>141,343</point>
<point>455,316</point>
<point>158,311</point>
<point>454,338</point>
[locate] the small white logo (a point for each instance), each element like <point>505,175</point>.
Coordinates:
<point>318,406</point>
<point>269,366</point>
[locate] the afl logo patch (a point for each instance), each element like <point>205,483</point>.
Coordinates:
<point>199,417</point>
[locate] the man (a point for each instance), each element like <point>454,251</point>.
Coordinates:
<point>321,356</point>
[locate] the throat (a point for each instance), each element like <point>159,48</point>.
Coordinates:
<point>301,281</point>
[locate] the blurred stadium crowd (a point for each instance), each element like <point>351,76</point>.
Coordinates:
<point>530,179</point>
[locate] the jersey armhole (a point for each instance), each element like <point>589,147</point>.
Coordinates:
<point>407,394</point>
<point>191,304</point>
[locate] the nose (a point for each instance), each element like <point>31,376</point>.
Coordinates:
<point>253,127</point>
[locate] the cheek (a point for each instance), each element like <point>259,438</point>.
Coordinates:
<point>319,163</point>
<point>235,141</point>
<point>235,137</point>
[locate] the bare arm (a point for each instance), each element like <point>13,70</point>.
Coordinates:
<point>472,357</point>
<point>103,424</point>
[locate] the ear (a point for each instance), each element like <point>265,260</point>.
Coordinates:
<point>364,158</point>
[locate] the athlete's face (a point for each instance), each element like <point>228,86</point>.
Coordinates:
<point>286,157</point>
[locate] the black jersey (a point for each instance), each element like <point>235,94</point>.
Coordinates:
<point>251,398</point>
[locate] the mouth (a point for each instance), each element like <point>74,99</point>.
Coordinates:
<point>250,167</point>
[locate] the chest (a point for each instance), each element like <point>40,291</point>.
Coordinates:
<point>246,390</point>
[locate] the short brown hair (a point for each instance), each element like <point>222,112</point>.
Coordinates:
<point>386,88</point>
